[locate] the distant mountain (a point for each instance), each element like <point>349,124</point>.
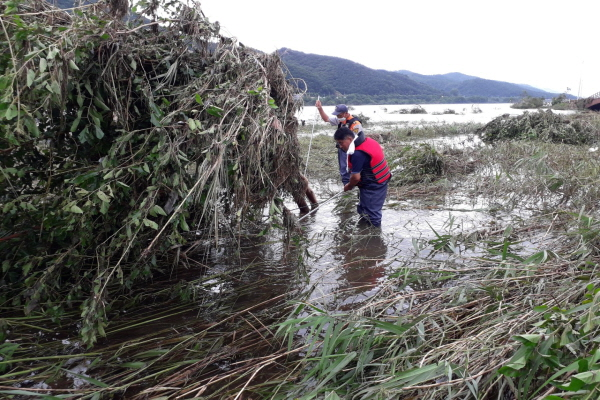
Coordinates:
<point>327,75</point>
<point>466,85</point>
<point>338,77</point>
<point>444,83</point>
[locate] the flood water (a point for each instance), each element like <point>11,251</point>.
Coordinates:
<point>435,113</point>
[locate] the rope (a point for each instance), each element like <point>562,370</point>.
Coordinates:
<point>320,204</point>
<point>311,137</point>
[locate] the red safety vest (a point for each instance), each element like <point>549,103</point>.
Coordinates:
<point>381,171</point>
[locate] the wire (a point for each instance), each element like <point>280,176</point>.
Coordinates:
<point>320,204</point>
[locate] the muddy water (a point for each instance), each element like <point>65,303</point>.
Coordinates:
<point>349,262</point>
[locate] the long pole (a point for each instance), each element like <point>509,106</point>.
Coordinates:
<point>310,143</point>
<point>320,204</point>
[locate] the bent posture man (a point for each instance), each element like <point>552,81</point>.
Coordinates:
<point>368,170</point>
<point>342,118</point>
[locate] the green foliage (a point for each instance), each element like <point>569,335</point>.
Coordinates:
<point>529,102</point>
<point>119,142</point>
<point>416,163</point>
<point>561,98</point>
<point>542,125</point>
<point>562,351</point>
<point>339,351</point>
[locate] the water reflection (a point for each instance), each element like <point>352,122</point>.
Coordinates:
<point>363,252</point>
<point>348,257</point>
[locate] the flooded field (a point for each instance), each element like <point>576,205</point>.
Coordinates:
<point>438,244</point>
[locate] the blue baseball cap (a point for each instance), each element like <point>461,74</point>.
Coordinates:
<point>340,109</point>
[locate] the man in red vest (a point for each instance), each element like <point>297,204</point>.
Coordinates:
<point>368,170</point>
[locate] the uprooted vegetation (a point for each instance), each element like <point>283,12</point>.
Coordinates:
<point>415,164</point>
<point>542,125</point>
<point>121,144</point>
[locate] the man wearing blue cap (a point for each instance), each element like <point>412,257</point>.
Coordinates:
<point>342,118</point>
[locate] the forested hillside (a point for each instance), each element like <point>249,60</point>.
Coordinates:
<point>337,78</point>
<point>325,75</point>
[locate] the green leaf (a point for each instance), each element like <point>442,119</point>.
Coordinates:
<point>537,258</point>
<point>184,225</point>
<point>332,396</point>
<point>150,223</point>
<point>55,87</point>
<point>76,210</point>
<point>103,196</point>
<point>76,121</point>
<point>89,88</point>
<point>87,379</point>
<point>30,77</point>
<point>519,359</point>
<point>215,111</point>
<point>99,103</point>
<point>155,120</point>
<point>26,268</point>
<point>109,175</point>
<point>158,209</point>
<point>73,65</point>
<point>199,99</point>
<point>11,112</point>
<point>393,328</point>
<point>104,207</point>
<point>528,340</point>
<point>335,368</point>
<point>99,132</point>
<point>134,365</point>
<point>43,64</point>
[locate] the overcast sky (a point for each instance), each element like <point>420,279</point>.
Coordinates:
<point>545,44</point>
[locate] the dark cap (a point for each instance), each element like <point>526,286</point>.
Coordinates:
<point>340,109</point>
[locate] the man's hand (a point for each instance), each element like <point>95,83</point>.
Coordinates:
<point>354,180</point>
<point>318,104</point>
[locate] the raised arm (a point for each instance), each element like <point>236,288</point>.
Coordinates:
<point>319,106</point>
